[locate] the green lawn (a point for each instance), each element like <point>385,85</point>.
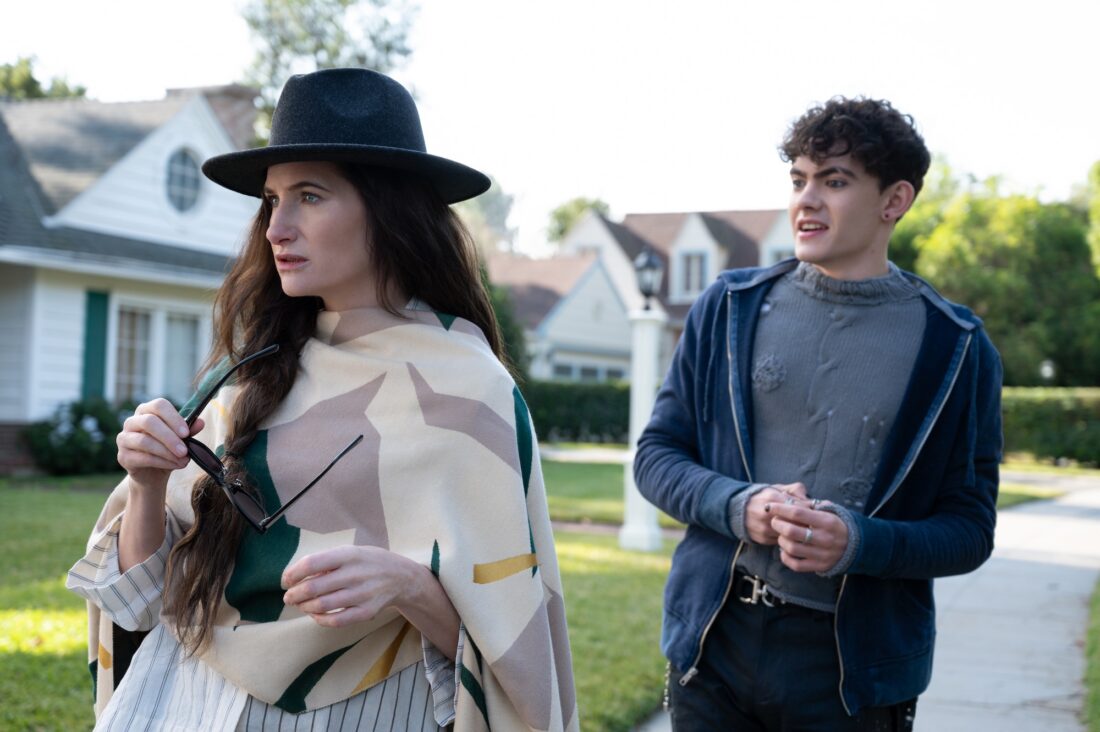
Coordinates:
<point>613,600</point>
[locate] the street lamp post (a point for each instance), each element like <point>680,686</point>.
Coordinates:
<point>640,530</point>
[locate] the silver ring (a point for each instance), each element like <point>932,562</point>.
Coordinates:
<point>815,503</point>
<point>789,500</point>
<point>809,536</point>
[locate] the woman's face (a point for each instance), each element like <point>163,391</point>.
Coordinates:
<point>318,235</point>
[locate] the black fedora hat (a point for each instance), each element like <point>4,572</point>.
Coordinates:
<point>345,115</point>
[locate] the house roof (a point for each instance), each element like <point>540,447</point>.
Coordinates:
<point>738,232</point>
<point>537,285</point>
<point>26,198</point>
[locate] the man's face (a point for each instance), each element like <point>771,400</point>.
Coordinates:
<point>837,217</point>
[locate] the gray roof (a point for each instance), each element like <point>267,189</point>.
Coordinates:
<point>69,144</point>
<point>24,200</point>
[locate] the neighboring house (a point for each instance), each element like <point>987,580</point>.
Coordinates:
<point>572,315</point>
<point>111,246</point>
<point>694,247</point>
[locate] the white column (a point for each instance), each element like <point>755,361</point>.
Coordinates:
<point>640,530</point>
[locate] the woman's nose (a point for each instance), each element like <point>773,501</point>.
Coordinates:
<point>279,228</point>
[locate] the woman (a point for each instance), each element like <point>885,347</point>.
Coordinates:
<point>348,530</point>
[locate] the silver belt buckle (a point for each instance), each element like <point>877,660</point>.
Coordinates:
<point>760,592</point>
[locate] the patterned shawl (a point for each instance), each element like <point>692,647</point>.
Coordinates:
<point>448,474</point>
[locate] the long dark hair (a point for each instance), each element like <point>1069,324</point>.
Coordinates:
<point>418,247</point>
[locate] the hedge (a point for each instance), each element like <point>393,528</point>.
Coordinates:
<point>1053,423</point>
<point>579,412</point>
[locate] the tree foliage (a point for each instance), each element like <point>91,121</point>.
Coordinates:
<point>1024,268</point>
<point>1094,214</point>
<point>564,216</point>
<point>511,330</point>
<point>486,216</point>
<point>299,36</point>
<point>18,82</point>
<point>941,185</point>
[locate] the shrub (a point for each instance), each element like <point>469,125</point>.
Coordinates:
<point>579,412</point>
<point>1053,423</point>
<point>78,439</point>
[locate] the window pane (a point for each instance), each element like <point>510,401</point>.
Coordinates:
<point>181,356</point>
<point>184,180</point>
<point>132,355</point>
<point>590,373</point>
<point>563,371</point>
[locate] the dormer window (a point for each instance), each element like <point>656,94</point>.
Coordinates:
<point>184,180</point>
<point>693,266</point>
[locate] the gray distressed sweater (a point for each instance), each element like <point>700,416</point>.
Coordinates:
<point>831,361</point>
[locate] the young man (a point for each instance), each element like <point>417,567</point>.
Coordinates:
<point>830,432</point>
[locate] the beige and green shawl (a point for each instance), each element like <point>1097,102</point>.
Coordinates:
<point>448,474</point>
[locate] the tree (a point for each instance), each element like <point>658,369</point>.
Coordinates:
<point>17,81</point>
<point>486,216</point>
<point>1024,268</point>
<point>940,187</point>
<point>566,215</point>
<point>511,330</point>
<point>299,36</point>
<point>1094,214</point>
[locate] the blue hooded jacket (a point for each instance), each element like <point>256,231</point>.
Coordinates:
<point>931,511</point>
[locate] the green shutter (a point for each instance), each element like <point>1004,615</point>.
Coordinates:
<point>95,345</point>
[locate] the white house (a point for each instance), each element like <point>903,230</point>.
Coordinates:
<point>573,316</point>
<point>111,246</point>
<point>693,246</point>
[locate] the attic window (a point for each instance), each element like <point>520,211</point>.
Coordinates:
<point>183,180</point>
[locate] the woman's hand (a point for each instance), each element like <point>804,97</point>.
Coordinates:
<point>150,445</point>
<point>352,584</point>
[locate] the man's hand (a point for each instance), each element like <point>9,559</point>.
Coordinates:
<point>758,522</point>
<point>809,540</point>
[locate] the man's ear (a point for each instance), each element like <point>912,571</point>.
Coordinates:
<point>896,200</point>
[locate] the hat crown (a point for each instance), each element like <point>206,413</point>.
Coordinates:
<point>346,107</point>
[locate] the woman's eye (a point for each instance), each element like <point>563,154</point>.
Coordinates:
<point>273,201</point>
<point>310,197</point>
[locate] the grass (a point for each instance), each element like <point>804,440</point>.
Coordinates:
<point>44,678</point>
<point>588,493</point>
<point>613,599</point>
<point>1012,494</point>
<point>613,596</point>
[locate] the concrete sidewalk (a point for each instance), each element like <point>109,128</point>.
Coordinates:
<point>1010,648</point>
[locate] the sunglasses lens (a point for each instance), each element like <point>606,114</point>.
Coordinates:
<point>248,506</point>
<point>205,458</point>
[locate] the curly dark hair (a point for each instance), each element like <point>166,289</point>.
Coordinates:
<point>879,137</point>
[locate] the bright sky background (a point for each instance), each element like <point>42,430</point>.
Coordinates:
<point>653,106</point>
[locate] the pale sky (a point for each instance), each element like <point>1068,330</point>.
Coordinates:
<point>653,106</point>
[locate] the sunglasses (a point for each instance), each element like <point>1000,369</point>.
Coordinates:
<point>213,466</point>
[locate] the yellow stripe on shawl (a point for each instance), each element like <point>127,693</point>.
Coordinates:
<point>104,657</point>
<point>496,571</point>
<point>381,667</point>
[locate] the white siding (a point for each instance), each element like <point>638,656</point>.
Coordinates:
<point>131,198</point>
<point>778,243</point>
<point>56,355</point>
<point>694,238</point>
<point>589,325</point>
<point>57,348</point>
<point>15,309</point>
<point>591,234</point>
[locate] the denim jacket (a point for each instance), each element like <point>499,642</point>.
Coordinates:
<point>931,512</point>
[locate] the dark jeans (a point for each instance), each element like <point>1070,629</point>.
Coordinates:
<point>773,669</point>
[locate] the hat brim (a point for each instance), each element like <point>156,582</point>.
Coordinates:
<point>246,171</point>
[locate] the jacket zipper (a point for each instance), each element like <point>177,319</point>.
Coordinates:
<point>897,484</point>
<point>691,672</point>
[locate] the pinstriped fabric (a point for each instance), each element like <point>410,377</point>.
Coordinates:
<point>166,691</point>
<point>401,702</point>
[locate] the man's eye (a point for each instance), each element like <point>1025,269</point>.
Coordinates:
<point>797,184</point>
<point>836,182</point>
